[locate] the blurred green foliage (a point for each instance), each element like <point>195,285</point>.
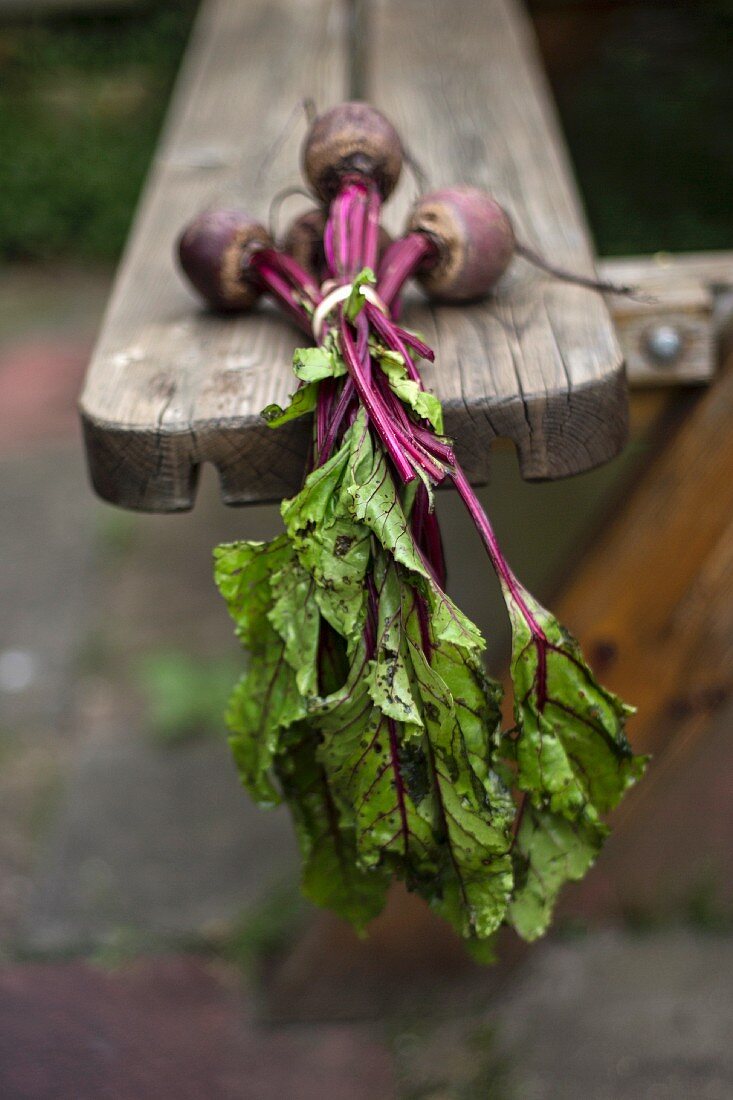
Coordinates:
<point>265,930</point>
<point>645,92</point>
<point>185,696</point>
<point>644,89</point>
<point>81,103</point>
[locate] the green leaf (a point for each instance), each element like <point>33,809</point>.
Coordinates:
<point>424,404</point>
<point>572,751</point>
<point>337,558</point>
<point>331,875</point>
<point>549,851</point>
<point>356,300</point>
<point>242,573</point>
<point>375,502</point>
<point>448,622</point>
<point>292,587</point>
<point>317,502</point>
<point>267,699</point>
<point>476,811</point>
<point>264,702</point>
<point>301,402</point>
<point>331,545</point>
<point>477,704</point>
<point>369,772</point>
<point>391,677</point>
<point>314,364</point>
<point>482,951</point>
<point>468,874</point>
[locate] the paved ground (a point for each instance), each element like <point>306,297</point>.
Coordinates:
<point>152,937</point>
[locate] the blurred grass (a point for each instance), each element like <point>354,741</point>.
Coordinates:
<point>185,695</point>
<point>644,89</point>
<point>264,931</point>
<point>82,99</point>
<point>645,92</point>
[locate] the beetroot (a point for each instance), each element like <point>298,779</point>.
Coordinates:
<point>473,243</point>
<point>473,238</point>
<point>351,140</point>
<point>213,251</point>
<point>303,240</point>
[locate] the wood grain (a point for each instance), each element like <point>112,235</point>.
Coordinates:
<point>652,605</point>
<point>170,387</point>
<point>643,601</point>
<point>540,362</point>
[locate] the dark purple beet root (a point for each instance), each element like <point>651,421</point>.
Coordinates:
<point>474,239</point>
<point>353,139</point>
<point>213,251</point>
<point>303,241</point>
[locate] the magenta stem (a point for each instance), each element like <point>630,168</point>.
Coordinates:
<point>426,531</point>
<point>390,334</point>
<point>400,262</point>
<point>279,288</point>
<point>362,344</point>
<point>490,541</point>
<point>298,277</point>
<point>373,404</point>
<point>329,247</point>
<point>371,233</point>
<point>324,408</point>
<point>357,226</point>
<point>348,394</point>
<point>341,233</point>
<point>432,443</point>
<point>405,430</point>
<point>414,342</point>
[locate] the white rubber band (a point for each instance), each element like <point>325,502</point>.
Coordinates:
<point>371,296</point>
<point>340,294</point>
<point>332,299</point>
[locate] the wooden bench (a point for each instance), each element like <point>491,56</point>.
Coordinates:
<point>171,387</point>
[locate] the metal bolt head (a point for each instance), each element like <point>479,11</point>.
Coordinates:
<point>663,344</point>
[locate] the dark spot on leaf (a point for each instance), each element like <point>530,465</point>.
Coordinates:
<point>414,772</point>
<point>521,872</point>
<point>342,545</point>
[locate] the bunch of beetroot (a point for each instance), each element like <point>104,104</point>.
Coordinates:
<point>365,704</point>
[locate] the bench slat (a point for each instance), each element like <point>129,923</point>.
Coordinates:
<point>540,362</point>
<point>170,387</point>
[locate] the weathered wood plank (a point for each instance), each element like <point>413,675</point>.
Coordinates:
<point>669,335</point>
<point>170,387</point>
<point>540,362</point>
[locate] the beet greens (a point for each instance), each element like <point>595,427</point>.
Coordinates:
<point>365,704</point>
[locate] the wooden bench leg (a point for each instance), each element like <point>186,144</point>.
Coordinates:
<point>652,605</point>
